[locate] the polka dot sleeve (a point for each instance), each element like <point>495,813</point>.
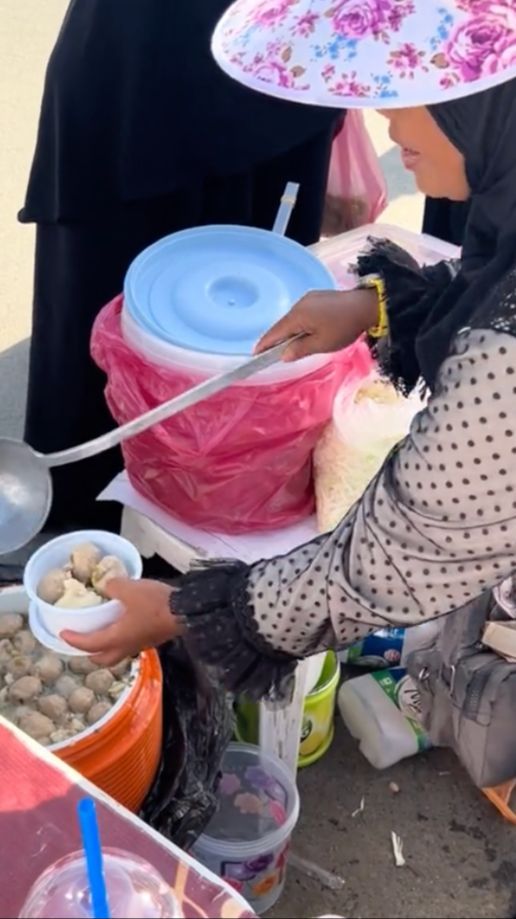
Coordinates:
<point>434,529</point>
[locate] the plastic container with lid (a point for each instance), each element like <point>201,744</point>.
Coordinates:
<point>135,890</point>
<point>204,296</point>
<point>247,842</point>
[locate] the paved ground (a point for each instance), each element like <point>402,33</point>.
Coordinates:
<point>461,856</point>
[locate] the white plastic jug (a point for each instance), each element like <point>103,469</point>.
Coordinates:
<point>381,710</point>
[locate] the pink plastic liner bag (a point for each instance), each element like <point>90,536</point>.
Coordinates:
<point>242,460</point>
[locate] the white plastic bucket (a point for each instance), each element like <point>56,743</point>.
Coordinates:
<point>205,364</point>
<point>55,554</point>
<point>255,867</point>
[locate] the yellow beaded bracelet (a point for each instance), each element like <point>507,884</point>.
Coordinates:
<point>382,326</point>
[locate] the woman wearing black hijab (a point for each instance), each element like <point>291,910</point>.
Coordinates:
<point>435,531</point>
<point>140,135</point>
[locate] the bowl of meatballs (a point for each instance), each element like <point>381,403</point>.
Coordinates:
<point>66,580</point>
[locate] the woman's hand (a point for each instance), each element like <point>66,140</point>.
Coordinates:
<point>147,622</point>
<point>330,320</point>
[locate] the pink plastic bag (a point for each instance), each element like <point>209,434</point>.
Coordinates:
<point>240,461</point>
<point>357,192</point>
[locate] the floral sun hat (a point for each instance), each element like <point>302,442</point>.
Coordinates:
<point>368,53</point>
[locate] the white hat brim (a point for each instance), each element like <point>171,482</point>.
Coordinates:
<point>440,51</point>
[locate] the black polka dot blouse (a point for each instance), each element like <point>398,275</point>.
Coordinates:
<point>434,530</point>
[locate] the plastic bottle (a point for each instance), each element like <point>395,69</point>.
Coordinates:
<point>135,889</point>
<point>381,710</point>
<point>390,647</point>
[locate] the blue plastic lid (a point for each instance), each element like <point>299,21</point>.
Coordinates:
<point>218,289</point>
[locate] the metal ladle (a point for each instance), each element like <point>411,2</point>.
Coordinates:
<point>25,480</point>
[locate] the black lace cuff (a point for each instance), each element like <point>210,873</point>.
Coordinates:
<point>215,605</point>
<point>411,293</point>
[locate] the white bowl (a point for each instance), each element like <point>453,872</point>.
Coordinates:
<point>55,554</point>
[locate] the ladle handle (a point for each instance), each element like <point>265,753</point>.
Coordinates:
<point>167,409</point>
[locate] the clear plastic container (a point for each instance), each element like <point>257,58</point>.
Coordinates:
<point>341,252</point>
<point>135,889</point>
<point>247,842</point>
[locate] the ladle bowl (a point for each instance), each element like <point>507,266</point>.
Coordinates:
<point>25,494</point>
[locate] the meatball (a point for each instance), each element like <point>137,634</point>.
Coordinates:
<point>61,735</point>
<point>6,653</point>
<point>25,643</point>
<point>83,559</point>
<point>78,596</point>
<point>10,624</point>
<point>116,690</point>
<point>52,585</point>
<point>121,669</point>
<point>81,700</point>
<point>49,668</point>
<point>108,568</point>
<point>37,726</point>
<point>6,649</point>
<point>19,666</point>
<point>82,666</point>
<point>100,681</point>
<point>25,689</point>
<point>20,712</point>
<point>98,711</point>
<point>53,706</point>
<point>65,686</point>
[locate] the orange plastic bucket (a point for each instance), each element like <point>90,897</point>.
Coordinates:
<point>121,753</point>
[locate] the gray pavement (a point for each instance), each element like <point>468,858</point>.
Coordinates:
<point>461,856</point>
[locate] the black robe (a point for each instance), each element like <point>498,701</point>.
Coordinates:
<point>140,135</point>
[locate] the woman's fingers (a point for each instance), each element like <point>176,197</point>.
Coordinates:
<point>286,328</point>
<point>92,642</point>
<point>326,321</point>
<point>146,622</point>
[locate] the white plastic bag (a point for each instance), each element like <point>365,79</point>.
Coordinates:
<point>367,423</point>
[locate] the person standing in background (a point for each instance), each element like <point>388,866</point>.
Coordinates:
<point>140,135</point>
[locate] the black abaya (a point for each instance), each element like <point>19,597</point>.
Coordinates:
<point>140,135</point>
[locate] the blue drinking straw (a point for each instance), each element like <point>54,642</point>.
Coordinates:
<point>93,855</point>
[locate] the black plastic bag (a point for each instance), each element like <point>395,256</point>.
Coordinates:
<point>197,728</point>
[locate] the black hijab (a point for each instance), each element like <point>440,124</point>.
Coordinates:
<point>483,128</point>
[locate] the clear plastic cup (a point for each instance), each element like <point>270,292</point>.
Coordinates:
<point>135,889</point>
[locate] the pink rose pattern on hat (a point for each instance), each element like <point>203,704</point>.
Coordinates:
<point>462,48</point>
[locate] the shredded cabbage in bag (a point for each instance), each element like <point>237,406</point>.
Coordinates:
<point>367,423</point>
